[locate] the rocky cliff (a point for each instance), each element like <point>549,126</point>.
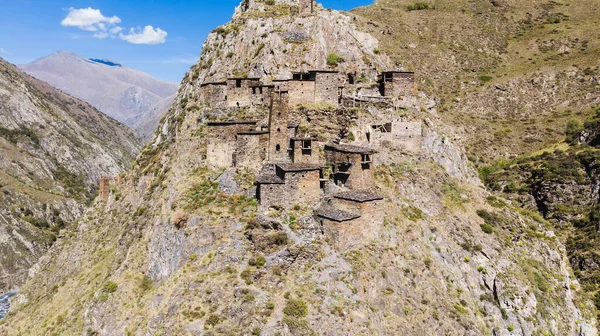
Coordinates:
<point>54,148</point>
<point>182,249</point>
<point>127,95</point>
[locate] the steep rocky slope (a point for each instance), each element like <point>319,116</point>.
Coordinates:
<point>130,96</point>
<point>53,148</point>
<point>508,74</point>
<point>180,249</point>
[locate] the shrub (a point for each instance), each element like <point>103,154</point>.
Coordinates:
<point>419,6</point>
<point>110,287</point>
<point>213,320</point>
<point>572,131</point>
<point>258,261</point>
<point>511,327</point>
<point>333,59</point>
<point>146,283</point>
<point>296,308</point>
<point>487,228</point>
<point>485,79</point>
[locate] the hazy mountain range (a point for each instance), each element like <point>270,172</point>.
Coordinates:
<point>130,96</point>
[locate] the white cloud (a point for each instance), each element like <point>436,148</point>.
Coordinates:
<point>92,20</point>
<point>3,51</point>
<point>88,19</point>
<point>148,36</point>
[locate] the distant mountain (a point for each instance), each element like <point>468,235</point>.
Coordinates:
<point>53,150</point>
<point>130,96</point>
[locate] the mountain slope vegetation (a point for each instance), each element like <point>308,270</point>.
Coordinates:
<point>508,74</point>
<point>182,249</point>
<point>53,148</point>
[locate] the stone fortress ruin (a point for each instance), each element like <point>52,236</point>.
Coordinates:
<point>293,166</point>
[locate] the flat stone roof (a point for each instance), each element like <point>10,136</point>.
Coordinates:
<point>298,167</point>
<point>303,139</point>
<point>348,148</point>
<point>358,196</point>
<point>243,78</point>
<point>213,83</point>
<point>324,71</point>
<point>253,133</point>
<point>334,214</point>
<point>231,122</point>
<point>269,179</point>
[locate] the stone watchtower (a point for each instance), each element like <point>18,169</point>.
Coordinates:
<point>306,7</point>
<point>278,122</point>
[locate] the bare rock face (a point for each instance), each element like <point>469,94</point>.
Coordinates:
<point>130,96</point>
<point>53,150</point>
<point>177,249</point>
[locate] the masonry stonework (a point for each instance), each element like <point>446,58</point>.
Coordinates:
<point>290,185</point>
<point>397,83</point>
<point>278,127</point>
<point>251,150</point>
<point>214,94</point>
<point>104,187</point>
<point>306,7</point>
<point>352,165</point>
<point>221,142</point>
<point>239,92</point>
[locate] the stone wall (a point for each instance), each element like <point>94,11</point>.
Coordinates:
<point>260,95</point>
<point>221,143</point>
<point>302,188</point>
<point>407,135</point>
<point>278,127</point>
<point>327,88</point>
<point>306,7</point>
<point>238,91</point>
<point>214,94</point>
<point>301,92</point>
<point>355,233</point>
<point>397,84</point>
<point>349,171</point>
<point>251,150</point>
<point>301,154</point>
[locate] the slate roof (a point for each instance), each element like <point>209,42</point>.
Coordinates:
<point>358,196</point>
<point>348,148</point>
<point>303,139</point>
<point>298,167</point>
<point>213,83</point>
<point>269,179</point>
<point>335,214</point>
<point>253,133</point>
<point>231,122</point>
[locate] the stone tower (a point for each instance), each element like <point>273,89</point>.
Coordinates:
<point>278,123</point>
<point>306,7</point>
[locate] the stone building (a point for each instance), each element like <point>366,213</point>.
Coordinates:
<point>306,7</point>
<point>291,184</point>
<point>214,94</point>
<point>315,86</point>
<point>278,127</point>
<point>398,133</point>
<point>303,150</point>
<point>397,83</point>
<point>351,220</point>
<point>222,141</point>
<point>251,149</point>
<point>352,165</point>
<point>239,93</point>
<point>104,187</point>
<point>260,94</point>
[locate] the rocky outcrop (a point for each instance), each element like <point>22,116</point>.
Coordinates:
<point>179,249</point>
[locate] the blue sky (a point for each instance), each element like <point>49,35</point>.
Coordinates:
<point>31,29</point>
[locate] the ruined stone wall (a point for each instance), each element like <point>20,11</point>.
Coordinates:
<point>239,93</point>
<point>251,150</point>
<point>300,155</point>
<point>278,128</point>
<point>306,7</point>
<point>409,134</point>
<point>302,188</point>
<point>260,95</point>
<point>360,176</point>
<point>301,92</point>
<point>214,95</point>
<point>221,144</point>
<point>358,232</point>
<point>402,84</point>
<point>327,88</point>
<point>104,187</point>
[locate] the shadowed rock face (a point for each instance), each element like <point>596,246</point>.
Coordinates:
<point>130,96</point>
<point>53,150</point>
